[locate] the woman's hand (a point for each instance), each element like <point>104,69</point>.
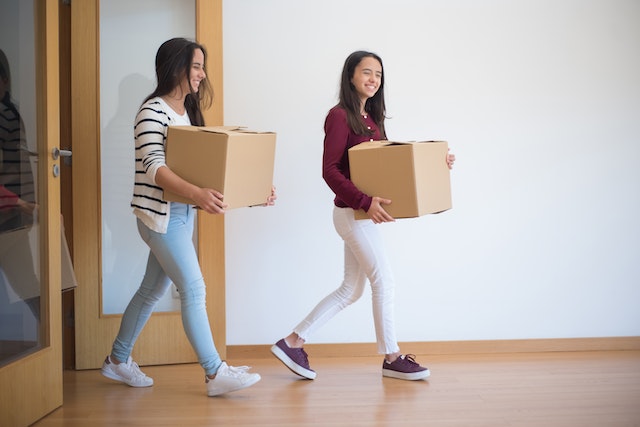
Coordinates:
<point>450,159</point>
<point>26,207</point>
<point>377,213</point>
<point>271,200</point>
<point>209,200</point>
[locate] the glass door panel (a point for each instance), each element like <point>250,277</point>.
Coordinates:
<point>20,285</point>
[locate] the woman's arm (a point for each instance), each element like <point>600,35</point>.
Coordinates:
<point>207,199</point>
<point>334,158</point>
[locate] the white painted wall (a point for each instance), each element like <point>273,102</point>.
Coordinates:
<point>540,102</point>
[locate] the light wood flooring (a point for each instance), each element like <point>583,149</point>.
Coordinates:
<point>581,389</point>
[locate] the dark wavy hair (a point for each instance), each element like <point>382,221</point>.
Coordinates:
<point>173,63</point>
<point>5,74</point>
<point>350,100</point>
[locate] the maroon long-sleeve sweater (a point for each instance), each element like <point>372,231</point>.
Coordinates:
<point>335,160</point>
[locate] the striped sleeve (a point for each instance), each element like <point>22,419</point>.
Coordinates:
<point>16,175</point>
<point>150,130</point>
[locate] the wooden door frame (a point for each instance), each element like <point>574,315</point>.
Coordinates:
<point>211,237</point>
<point>91,325</point>
<point>32,385</point>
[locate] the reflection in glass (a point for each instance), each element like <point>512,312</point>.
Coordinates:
<point>20,287</point>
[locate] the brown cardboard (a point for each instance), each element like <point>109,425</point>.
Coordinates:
<point>232,160</point>
<point>413,175</point>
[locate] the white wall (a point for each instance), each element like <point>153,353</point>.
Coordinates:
<point>540,102</point>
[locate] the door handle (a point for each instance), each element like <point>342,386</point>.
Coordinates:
<point>66,154</point>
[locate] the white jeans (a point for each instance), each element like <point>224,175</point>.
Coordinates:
<point>364,258</point>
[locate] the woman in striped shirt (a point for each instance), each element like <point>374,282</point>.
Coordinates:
<point>18,209</point>
<point>167,227</point>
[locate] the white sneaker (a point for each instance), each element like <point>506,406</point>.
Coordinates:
<point>127,372</point>
<point>230,378</point>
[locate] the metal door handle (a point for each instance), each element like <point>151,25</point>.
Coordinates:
<point>56,153</point>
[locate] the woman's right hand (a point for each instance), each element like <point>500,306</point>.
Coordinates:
<point>26,207</point>
<point>377,213</point>
<point>209,200</point>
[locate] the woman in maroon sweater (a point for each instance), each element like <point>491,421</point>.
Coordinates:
<point>358,117</point>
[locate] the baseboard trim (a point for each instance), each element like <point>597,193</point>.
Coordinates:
<point>452,347</point>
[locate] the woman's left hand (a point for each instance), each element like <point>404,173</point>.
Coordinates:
<point>450,159</point>
<point>271,200</point>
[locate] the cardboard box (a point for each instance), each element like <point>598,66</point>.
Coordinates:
<point>413,175</point>
<point>235,161</point>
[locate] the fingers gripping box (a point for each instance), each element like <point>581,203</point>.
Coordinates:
<point>413,175</point>
<point>235,161</point>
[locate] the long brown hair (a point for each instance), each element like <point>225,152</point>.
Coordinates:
<point>173,63</point>
<point>350,100</point>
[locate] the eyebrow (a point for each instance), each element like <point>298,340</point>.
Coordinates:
<point>372,70</point>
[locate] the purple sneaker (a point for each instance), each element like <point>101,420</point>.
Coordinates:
<point>294,358</point>
<point>405,368</point>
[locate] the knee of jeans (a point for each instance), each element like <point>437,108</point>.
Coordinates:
<point>151,296</point>
<point>349,294</point>
<point>193,292</point>
<point>381,280</point>
<point>381,283</point>
<point>383,291</point>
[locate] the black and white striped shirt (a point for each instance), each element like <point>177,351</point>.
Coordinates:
<point>16,175</point>
<point>150,134</point>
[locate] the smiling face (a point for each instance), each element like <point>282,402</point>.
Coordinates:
<point>366,78</point>
<point>196,73</point>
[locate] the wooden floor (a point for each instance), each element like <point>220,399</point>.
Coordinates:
<point>581,389</point>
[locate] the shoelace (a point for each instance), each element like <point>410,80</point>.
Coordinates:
<point>407,359</point>
<point>238,371</point>
<point>231,371</point>
<point>134,369</point>
<point>304,355</point>
<point>411,358</point>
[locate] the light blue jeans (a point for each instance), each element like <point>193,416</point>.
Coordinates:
<point>364,258</point>
<point>172,258</point>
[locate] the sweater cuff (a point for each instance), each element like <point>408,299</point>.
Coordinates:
<point>367,203</point>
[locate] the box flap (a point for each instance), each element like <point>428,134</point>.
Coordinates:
<point>229,130</point>
<point>252,132</point>
<point>377,144</point>
<point>412,142</point>
<point>219,129</point>
<point>369,144</point>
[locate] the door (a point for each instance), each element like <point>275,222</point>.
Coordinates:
<point>31,366</point>
<point>163,340</point>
